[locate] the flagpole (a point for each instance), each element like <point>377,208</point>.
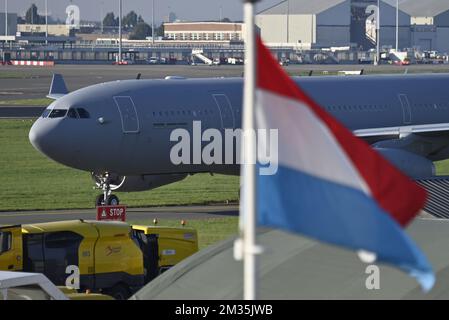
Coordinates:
<point>378,33</point>
<point>120,32</point>
<point>249,168</point>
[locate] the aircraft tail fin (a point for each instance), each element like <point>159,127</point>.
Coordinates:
<point>58,88</point>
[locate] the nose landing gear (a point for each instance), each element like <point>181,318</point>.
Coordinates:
<point>110,200</point>
<point>107,183</point>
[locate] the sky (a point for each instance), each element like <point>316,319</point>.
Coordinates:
<point>184,9</point>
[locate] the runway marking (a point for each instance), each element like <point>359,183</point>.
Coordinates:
<point>12,214</point>
<point>130,211</point>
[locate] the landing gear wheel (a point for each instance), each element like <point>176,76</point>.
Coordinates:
<point>112,200</point>
<point>107,183</point>
<point>99,200</point>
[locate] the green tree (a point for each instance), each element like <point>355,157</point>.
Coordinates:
<point>140,32</point>
<point>225,20</point>
<point>110,20</point>
<point>159,31</point>
<point>130,20</point>
<point>33,17</point>
<point>140,20</point>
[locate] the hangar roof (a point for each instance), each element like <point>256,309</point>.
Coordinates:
<point>302,6</point>
<point>420,8</point>
<point>295,267</point>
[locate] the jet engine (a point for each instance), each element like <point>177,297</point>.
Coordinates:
<point>137,183</point>
<point>413,165</point>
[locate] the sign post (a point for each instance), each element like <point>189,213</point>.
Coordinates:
<point>111,213</point>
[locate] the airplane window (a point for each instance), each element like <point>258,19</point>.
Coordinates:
<point>58,113</point>
<point>83,113</point>
<point>46,113</point>
<point>72,113</point>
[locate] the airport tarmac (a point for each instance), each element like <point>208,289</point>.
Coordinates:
<point>33,82</point>
<point>20,112</point>
<point>133,214</point>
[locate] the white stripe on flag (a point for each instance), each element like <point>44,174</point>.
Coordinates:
<point>305,142</point>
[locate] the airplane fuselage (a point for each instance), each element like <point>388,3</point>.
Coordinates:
<point>129,124</point>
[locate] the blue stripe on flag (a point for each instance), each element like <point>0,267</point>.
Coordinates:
<point>330,212</point>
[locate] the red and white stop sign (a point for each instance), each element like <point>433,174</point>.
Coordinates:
<point>117,213</point>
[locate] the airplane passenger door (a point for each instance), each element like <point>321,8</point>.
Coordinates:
<point>406,110</point>
<point>226,112</point>
<point>128,114</point>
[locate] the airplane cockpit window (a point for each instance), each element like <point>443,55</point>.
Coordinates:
<point>83,113</point>
<point>46,113</point>
<point>58,113</point>
<point>72,113</point>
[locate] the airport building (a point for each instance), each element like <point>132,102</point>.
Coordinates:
<point>204,31</point>
<point>323,23</point>
<point>429,23</point>
<point>332,23</point>
<point>338,23</point>
<point>12,24</point>
<point>53,29</point>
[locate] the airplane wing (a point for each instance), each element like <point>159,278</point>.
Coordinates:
<point>430,140</point>
<point>425,129</point>
<point>58,88</point>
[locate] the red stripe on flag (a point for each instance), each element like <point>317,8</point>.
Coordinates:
<point>395,192</point>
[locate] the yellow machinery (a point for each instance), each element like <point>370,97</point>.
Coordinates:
<point>113,257</point>
<point>175,244</point>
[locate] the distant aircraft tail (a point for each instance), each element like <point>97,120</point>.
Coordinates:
<point>58,88</point>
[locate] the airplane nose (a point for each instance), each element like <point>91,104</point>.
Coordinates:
<point>47,137</point>
<point>36,136</point>
<point>41,137</point>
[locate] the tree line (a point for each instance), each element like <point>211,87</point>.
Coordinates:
<point>134,23</point>
<point>131,22</point>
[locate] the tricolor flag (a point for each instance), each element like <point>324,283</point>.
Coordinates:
<point>330,185</point>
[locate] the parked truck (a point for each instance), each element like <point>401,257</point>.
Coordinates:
<point>114,258</point>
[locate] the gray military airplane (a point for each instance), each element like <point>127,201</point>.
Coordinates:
<point>120,131</point>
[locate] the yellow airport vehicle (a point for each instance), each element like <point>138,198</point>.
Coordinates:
<point>36,286</point>
<point>112,257</point>
<point>175,244</point>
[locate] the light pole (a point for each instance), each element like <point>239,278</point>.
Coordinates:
<point>120,31</point>
<point>378,33</point>
<point>46,22</point>
<point>288,20</point>
<point>102,17</point>
<point>152,23</point>
<point>6,20</point>
<point>397,25</point>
